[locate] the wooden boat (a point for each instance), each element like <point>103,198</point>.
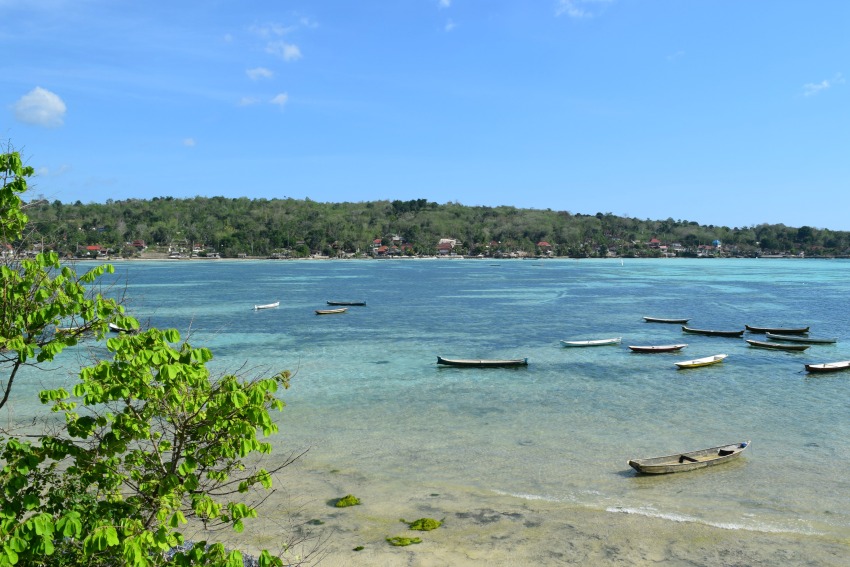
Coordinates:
<point>658,348</point>
<point>829,366</point>
<point>776,346</point>
<point>698,362</point>
<point>267,305</point>
<point>681,462</point>
<point>491,363</point>
<point>331,311</point>
<point>778,330</point>
<point>116,329</point>
<point>595,342</point>
<point>346,303</point>
<point>713,333</point>
<point>800,339</point>
<point>659,320</point>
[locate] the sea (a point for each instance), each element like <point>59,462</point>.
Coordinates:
<point>368,396</point>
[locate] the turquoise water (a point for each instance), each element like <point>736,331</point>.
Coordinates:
<point>368,395</point>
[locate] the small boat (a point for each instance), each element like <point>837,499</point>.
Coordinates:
<point>595,342</point>
<point>331,311</point>
<point>713,333</point>
<point>698,362</point>
<point>776,346</point>
<point>778,330</point>
<point>659,320</point>
<point>491,363</point>
<point>829,366</point>
<point>658,348</point>
<point>116,329</point>
<point>346,303</point>
<point>681,462</point>
<point>799,339</point>
<point>267,305</point>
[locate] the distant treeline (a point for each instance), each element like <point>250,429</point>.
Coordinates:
<point>261,227</point>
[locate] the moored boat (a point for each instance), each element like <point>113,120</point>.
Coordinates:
<point>698,362</point>
<point>267,305</point>
<point>690,460</point>
<point>484,363</point>
<point>594,342</point>
<point>116,329</point>
<point>776,346</point>
<point>829,366</point>
<point>713,333</point>
<point>660,320</point>
<point>800,339</point>
<point>657,348</point>
<point>331,311</point>
<point>778,330</point>
<point>346,303</point>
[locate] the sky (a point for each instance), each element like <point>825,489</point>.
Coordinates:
<point>722,112</point>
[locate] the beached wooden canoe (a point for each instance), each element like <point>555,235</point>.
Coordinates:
<point>778,330</point>
<point>690,460</point>
<point>713,333</point>
<point>829,366</point>
<point>485,363</point>
<point>776,346</point>
<point>660,320</point>
<point>267,305</point>
<point>698,362</point>
<point>658,348</point>
<point>346,303</point>
<point>331,311</point>
<point>594,342</point>
<point>800,339</point>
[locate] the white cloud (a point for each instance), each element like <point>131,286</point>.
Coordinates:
<point>40,107</point>
<point>270,30</point>
<point>811,89</point>
<point>450,25</point>
<point>259,73</point>
<point>444,3</point>
<point>189,142</point>
<point>280,99</point>
<point>579,8</point>
<point>286,51</point>
<point>248,101</point>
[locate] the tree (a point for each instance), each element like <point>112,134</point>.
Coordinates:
<point>150,440</point>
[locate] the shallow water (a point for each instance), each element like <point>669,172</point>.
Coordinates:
<point>368,397</point>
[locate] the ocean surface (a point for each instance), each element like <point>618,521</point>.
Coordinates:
<point>368,395</point>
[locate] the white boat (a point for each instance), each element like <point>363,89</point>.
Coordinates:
<point>267,305</point>
<point>595,342</point>
<point>697,362</point>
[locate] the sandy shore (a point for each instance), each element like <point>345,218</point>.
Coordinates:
<point>492,529</point>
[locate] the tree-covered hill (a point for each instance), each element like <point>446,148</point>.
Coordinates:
<point>262,227</point>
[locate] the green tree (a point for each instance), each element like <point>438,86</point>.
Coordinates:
<point>150,440</point>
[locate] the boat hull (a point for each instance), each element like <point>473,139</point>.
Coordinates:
<point>596,342</point>
<point>700,362</point>
<point>712,333</point>
<point>829,366</point>
<point>800,339</point>
<point>484,363</point>
<point>346,303</point>
<point>657,348</point>
<point>776,346</point>
<point>688,461</point>
<point>331,311</point>
<point>778,330</point>
<point>659,320</point>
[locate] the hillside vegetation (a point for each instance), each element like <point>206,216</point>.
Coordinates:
<point>293,227</point>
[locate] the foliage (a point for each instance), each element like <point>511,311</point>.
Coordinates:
<point>423,524</point>
<point>149,443</point>
<point>346,501</point>
<point>260,227</point>
<point>157,443</point>
<point>401,541</point>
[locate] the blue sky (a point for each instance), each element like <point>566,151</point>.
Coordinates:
<point>725,112</point>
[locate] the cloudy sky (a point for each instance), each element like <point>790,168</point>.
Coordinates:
<point>725,112</point>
